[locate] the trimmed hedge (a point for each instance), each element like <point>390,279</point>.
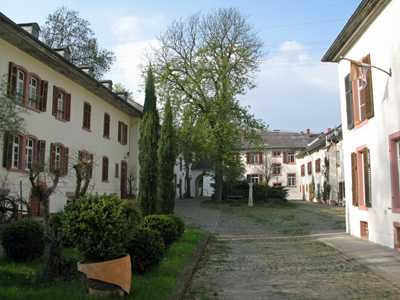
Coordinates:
<point>97,225</point>
<point>276,194</point>
<point>23,240</point>
<point>164,225</point>
<point>146,248</point>
<point>180,223</point>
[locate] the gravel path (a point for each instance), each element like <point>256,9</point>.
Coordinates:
<point>269,253</point>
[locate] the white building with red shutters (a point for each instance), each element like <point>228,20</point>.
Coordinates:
<point>277,160</point>
<point>71,116</point>
<point>370,118</point>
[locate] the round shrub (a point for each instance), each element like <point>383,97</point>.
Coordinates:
<point>98,226</point>
<point>146,248</point>
<point>23,240</point>
<point>56,223</point>
<point>164,225</point>
<point>180,223</point>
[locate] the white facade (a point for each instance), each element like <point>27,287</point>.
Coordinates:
<point>284,173</point>
<point>372,31</point>
<point>326,148</point>
<point>70,134</point>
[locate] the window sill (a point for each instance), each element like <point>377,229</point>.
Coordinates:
<point>396,210</point>
<point>292,163</point>
<point>363,207</point>
<point>105,181</point>
<point>62,120</point>
<point>106,137</point>
<point>361,124</point>
<point>122,144</point>
<point>33,109</point>
<point>292,186</point>
<point>86,129</point>
<point>17,170</point>
<point>117,176</point>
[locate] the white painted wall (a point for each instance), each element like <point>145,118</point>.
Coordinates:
<point>44,126</point>
<point>382,42</point>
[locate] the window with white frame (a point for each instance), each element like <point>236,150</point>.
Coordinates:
<point>276,153</point>
<point>60,106</point>
<point>15,153</point>
<point>20,86</point>
<point>290,157</point>
<point>32,92</point>
<point>254,158</point>
<point>29,153</point>
<point>254,178</point>
<point>291,179</point>
<point>277,169</point>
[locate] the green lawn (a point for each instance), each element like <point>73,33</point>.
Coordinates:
<point>25,281</point>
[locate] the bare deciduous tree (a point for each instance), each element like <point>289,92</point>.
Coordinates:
<point>65,28</point>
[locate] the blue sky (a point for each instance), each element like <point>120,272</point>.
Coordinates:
<point>296,91</point>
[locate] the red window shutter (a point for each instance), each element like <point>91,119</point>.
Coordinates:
<point>7,158</point>
<point>260,178</point>
<point>285,157</point>
<point>52,157</point>
<point>68,108</point>
<point>41,152</point>
<point>105,169</point>
<point>66,158</point>
<point>260,158</point>
<point>55,100</point>
<point>106,125</point>
<point>43,95</point>
<point>91,165</point>
<point>367,177</point>
<point>125,134</point>
<point>248,155</point>
<point>248,178</point>
<point>369,101</point>
<point>119,131</point>
<point>12,80</point>
<point>354,178</point>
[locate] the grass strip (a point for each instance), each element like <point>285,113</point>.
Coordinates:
<point>25,280</point>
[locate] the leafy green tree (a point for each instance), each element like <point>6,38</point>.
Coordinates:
<point>166,163</point>
<point>207,62</point>
<point>65,28</point>
<point>148,145</point>
<point>119,87</point>
<point>11,114</point>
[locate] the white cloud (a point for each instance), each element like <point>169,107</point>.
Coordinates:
<point>291,46</point>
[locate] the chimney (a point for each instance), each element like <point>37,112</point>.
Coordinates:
<point>301,132</point>
<point>32,28</point>
<point>308,133</point>
<point>107,83</point>
<point>87,69</point>
<point>64,52</point>
<point>329,129</point>
<point>123,95</point>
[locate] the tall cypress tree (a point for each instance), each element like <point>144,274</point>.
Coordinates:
<point>166,163</point>
<point>148,145</point>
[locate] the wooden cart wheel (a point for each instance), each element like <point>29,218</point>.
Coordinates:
<point>7,209</point>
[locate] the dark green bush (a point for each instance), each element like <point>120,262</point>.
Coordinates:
<point>98,226</point>
<point>164,225</point>
<point>146,248</point>
<point>23,240</point>
<point>180,223</point>
<point>241,188</point>
<point>56,223</point>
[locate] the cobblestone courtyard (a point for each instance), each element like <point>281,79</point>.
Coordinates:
<point>270,253</point>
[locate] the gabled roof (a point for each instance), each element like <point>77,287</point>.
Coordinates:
<point>20,38</point>
<point>292,141</point>
<point>362,18</point>
<point>319,142</point>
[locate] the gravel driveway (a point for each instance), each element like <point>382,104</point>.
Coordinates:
<point>269,253</point>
